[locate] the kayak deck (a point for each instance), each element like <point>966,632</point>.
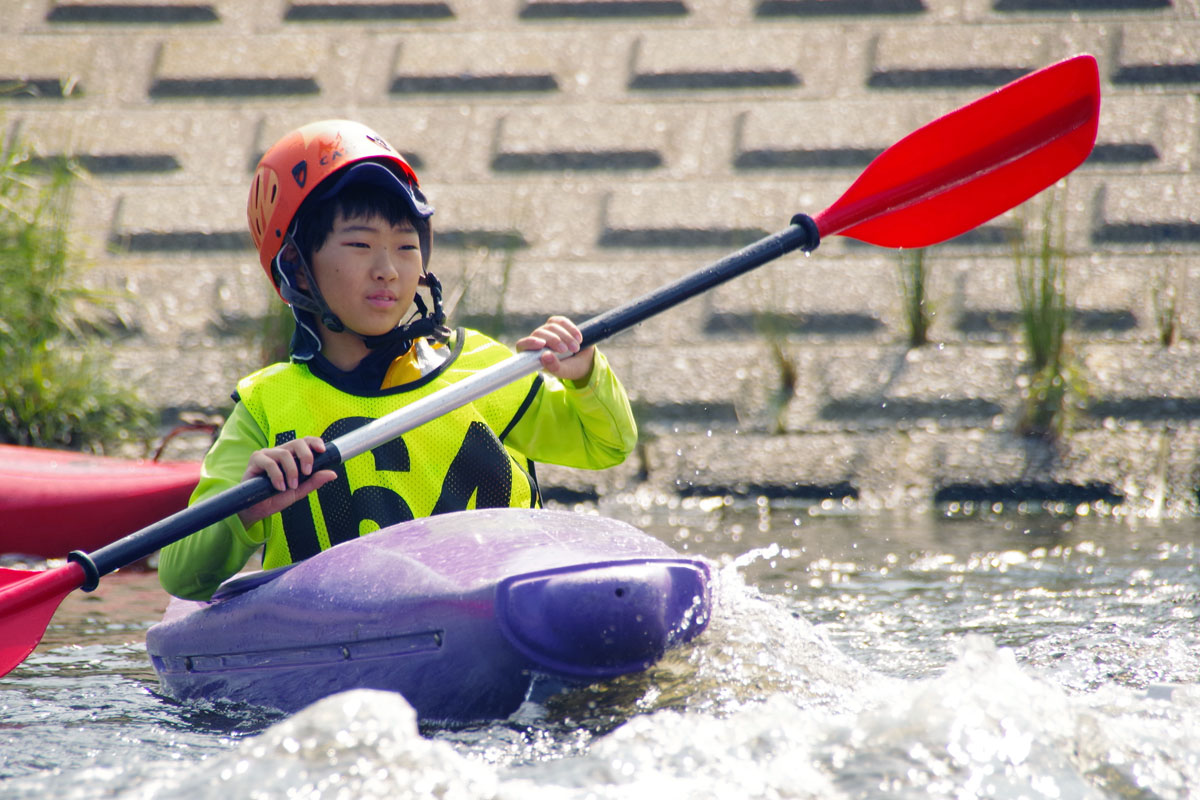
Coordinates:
<point>457,612</point>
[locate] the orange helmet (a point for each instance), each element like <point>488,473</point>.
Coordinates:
<point>318,160</point>
<point>301,161</point>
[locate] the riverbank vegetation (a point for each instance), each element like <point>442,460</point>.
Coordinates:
<point>914,285</point>
<point>1053,388</point>
<point>56,388</point>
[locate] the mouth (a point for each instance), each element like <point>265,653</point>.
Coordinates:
<point>381,299</point>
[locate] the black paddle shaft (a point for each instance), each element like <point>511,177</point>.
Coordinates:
<point>137,546</point>
<point>801,234</point>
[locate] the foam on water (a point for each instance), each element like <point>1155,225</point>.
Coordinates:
<point>356,745</point>
<point>984,727</point>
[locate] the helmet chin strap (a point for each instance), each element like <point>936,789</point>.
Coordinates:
<point>427,323</point>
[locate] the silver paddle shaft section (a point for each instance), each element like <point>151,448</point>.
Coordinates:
<point>432,406</point>
<point>802,234</point>
<point>254,490</point>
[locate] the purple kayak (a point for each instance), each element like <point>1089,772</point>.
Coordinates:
<point>458,612</point>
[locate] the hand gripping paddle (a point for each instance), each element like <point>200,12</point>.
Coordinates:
<point>942,180</point>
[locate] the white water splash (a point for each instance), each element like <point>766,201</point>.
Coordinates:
<point>985,727</point>
<point>358,745</point>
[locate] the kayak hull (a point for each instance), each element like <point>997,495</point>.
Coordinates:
<point>56,501</point>
<point>457,612</point>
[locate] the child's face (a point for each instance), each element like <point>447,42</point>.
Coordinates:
<point>368,271</point>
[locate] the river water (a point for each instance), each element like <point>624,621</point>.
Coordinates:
<point>959,654</point>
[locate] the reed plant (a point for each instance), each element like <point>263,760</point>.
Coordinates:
<point>1164,296</point>
<point>56,388</point>
<point>914,285</point>
<point>273,336</point>
<point>774,330</point>
<point>785,387</point>
<point>1053,389</point>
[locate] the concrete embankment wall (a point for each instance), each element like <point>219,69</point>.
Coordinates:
<point>582,152</point>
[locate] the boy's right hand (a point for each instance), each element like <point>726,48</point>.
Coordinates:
<point>289,467</point>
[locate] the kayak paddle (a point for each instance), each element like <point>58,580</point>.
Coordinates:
<point>940,181</point>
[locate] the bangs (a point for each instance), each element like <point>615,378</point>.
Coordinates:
<point>314,223</point>
<point>370,201</point>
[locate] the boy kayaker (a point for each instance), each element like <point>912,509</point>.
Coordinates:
<point>343,231</point>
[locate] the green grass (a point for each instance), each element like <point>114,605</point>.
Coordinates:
<point>1165,294</point>
<point>785,386</point>
<point>914,286</point>
<point>1054,390</point>
<point>273,337</point>
<point>774,332</point>
<point>56,389</point>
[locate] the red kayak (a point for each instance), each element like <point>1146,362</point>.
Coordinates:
<point>56,501</point>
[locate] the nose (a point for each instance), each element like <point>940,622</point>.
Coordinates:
<point>384,266</point>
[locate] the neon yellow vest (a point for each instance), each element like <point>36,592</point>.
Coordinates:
<point>452,463</point>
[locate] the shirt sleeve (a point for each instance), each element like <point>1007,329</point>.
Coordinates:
<point>589,426</point>
<point>195,566</point>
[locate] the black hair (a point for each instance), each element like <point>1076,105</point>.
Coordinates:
<point>314,222</point>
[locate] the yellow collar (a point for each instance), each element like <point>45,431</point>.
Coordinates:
<point>418,361</point>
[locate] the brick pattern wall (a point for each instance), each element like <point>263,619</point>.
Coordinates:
<point>581,152</point>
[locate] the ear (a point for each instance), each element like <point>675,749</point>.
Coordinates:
<point>290,255</point>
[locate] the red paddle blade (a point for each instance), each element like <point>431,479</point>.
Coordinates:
<point>27,602</point>
<point>962,169</point>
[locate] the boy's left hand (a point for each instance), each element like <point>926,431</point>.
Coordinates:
<point>560,336</point>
